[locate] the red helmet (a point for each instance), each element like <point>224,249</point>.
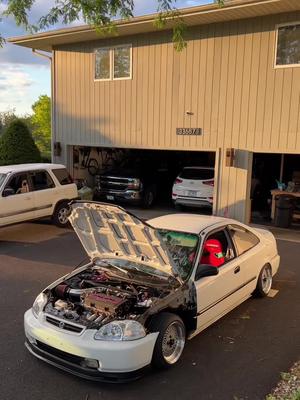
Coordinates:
<point>212,253</point>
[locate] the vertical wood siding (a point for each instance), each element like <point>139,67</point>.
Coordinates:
<point>225,77</point>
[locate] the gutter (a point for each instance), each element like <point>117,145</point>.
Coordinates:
<point>51,59</point>
<point>38,53</point>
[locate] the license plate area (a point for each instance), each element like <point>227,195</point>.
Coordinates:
<point>192,193</point>
<point>109,197</point>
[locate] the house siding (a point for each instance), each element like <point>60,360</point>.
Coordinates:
<point>225,77</point>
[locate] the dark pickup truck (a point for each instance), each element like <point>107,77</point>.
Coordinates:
<point>130,186</point>
<point>140,180</point>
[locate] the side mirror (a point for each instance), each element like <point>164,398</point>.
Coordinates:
<point>8,191</point>
<point>205,270</point>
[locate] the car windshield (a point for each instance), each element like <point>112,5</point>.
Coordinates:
<point>182,248</point>
<point>2,179</point>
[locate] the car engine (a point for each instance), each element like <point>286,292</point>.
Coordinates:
<point>93,297</point>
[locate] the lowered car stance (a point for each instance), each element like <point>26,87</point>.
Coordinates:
<point>147,289</point>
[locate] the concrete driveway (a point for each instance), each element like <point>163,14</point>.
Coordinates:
<point>239,357</point>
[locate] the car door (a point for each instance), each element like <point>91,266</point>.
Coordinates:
<point>250,253</point>
<point>17,200</point>
<point>218,294</point>
<point>44,193</point>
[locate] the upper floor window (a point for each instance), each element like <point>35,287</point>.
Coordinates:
<point>288,45</point>
<point>113,63</point>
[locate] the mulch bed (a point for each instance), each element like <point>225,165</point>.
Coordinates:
<point>289,386</point>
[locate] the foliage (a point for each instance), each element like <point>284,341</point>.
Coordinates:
<point>99,14</point>
<point>6,117</point>
<point>17,145</point>
<point>41,125</point>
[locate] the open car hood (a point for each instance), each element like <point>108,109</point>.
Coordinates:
<point>108,231</point>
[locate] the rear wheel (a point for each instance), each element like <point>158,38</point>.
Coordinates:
<point>264,282</point>
<point>60,215</point>
<point>171,339</point>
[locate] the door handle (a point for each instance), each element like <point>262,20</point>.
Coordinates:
<point>237,269</point>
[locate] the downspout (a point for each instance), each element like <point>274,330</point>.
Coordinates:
<point>52,61</point>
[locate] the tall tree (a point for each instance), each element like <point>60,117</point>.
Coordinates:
<point>41,125</point>
<point>97,13</point>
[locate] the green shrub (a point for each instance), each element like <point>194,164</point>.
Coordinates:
<point>17,145</point>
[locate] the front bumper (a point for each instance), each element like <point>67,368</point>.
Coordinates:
<point>126,196</point>
<point>66,350</point>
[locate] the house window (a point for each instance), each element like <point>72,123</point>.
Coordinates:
<point>288,45</point>
<point>102,64</point>
<point>113,63</point>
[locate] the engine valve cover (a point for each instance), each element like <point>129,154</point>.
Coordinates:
<point>102,302</point>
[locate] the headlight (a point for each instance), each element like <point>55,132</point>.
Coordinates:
<point>121,330</point>
<point>39,304</point>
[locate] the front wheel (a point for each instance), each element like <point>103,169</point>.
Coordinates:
<point>60,215</point>
<point>149,197</point>
<point>264,282</point>
<point>170,341</point>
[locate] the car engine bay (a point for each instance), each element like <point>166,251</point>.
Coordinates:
<point>94,297</point>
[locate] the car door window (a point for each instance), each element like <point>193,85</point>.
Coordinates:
<point>41,180</point>
<point>19,184</point>
<point>217,249</point>
<point>243,239</point>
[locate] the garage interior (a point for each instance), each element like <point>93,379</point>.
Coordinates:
<point>87,163</point>
<point>274,176</point>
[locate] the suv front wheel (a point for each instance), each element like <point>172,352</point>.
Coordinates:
<point>60,215</point>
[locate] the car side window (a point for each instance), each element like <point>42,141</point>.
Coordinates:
<point>41,180</point>
<point>217,249</point>
<point>18,184</point>
<point>243,239</point>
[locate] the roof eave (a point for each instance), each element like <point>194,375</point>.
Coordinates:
<point>199,15</point>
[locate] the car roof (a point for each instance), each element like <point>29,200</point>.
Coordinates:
<point>25,167</point>
<point>192,223</point>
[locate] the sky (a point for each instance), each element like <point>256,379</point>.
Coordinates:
<point>25,76</point>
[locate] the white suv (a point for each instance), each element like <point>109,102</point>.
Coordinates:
<point>31,191</point>
<point>194,187</point>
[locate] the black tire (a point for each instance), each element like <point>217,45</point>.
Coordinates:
<point>179,207</point>
<point>264,282</point>
<point>167,323</point>
<point>59,217</point>
<point>149,197</point>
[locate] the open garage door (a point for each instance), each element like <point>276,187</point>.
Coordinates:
<point>275,175</point>
<point>147,178</point>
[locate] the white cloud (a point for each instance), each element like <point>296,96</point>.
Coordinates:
<point>20,86</point>
<point>15,85</point>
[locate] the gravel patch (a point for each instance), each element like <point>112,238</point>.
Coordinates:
<point>289,386</point>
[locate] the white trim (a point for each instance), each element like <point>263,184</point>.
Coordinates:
<point>111,63</point>
<point>277,26</point>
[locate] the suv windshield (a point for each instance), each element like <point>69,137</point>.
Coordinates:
<point>2,179</point>
<point>197,173</point>
<point>182,248</point>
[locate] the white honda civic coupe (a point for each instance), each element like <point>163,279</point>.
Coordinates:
<point>147,288</point>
